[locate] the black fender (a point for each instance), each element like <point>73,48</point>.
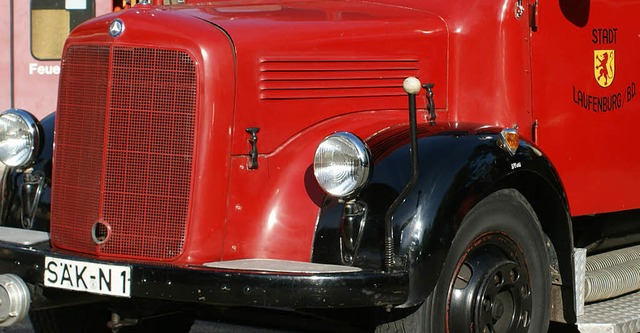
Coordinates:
<point>13,184</point>
<point>458,166</point>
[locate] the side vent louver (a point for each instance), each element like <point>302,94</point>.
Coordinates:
<point>313,79</point>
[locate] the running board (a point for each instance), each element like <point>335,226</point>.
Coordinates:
<point>23,236</point>
<point>618,315</point>
<point>280,266</point>
<point>607,291</point>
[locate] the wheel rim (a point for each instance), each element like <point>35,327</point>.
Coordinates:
<point>491,291</point>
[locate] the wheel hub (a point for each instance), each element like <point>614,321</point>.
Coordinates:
<point>497,310</point>
<point>491,287</point>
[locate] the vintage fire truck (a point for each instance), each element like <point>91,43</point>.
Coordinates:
<point>415,166</point>
<point>32,35</point>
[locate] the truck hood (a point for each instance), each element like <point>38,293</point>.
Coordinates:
<point>300,63</point>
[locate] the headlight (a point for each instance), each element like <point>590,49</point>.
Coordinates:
<point>19,138</point>
<point>341,164</point>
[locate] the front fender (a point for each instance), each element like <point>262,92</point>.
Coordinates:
<point>14,190</point>
<point>457,168</point>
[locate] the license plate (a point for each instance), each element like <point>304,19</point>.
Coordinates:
<point>104,279</point>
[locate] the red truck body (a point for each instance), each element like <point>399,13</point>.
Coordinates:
<point>33,33</point>
<point>580,108</point>
<point>194,139</point>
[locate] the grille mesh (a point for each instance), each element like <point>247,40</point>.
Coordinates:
<point>124,156</point>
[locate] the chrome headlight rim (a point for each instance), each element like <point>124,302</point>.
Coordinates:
<point>32,126</point>
<point>361,163</point>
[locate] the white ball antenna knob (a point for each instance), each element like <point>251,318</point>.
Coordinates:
<point>412,85</point>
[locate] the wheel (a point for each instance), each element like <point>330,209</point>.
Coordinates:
<point>496,277</point>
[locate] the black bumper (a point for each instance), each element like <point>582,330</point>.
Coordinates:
<point>204,285</point>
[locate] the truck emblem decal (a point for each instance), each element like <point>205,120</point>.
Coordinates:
<point>604,67</point>
<point>116,28</point>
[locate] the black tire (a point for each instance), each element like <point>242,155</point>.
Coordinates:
<point>496,277</point>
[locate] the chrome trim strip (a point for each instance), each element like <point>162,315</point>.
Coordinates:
<point>579,264</point>
<point>281,266</point>
<point>22,236</point>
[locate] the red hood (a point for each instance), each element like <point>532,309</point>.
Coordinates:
<point>284,68</point>
<point>299,63</point>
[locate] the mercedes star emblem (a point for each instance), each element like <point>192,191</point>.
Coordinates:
<point>116,28</point>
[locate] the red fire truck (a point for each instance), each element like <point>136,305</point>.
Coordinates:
<point>32,34</point>
<point>434,166</point>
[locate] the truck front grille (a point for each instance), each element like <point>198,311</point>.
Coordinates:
<point>124,151</point>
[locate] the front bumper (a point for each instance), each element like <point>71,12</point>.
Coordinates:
<point>221,285</point>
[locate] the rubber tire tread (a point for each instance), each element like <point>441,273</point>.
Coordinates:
<point>506,203</point>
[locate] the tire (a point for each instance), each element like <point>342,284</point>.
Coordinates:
<point>496,277</point>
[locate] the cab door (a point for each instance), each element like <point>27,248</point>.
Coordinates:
<point>39,29</point>
<point>585,82</point>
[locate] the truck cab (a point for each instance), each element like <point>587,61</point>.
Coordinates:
<point>426,167</point>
